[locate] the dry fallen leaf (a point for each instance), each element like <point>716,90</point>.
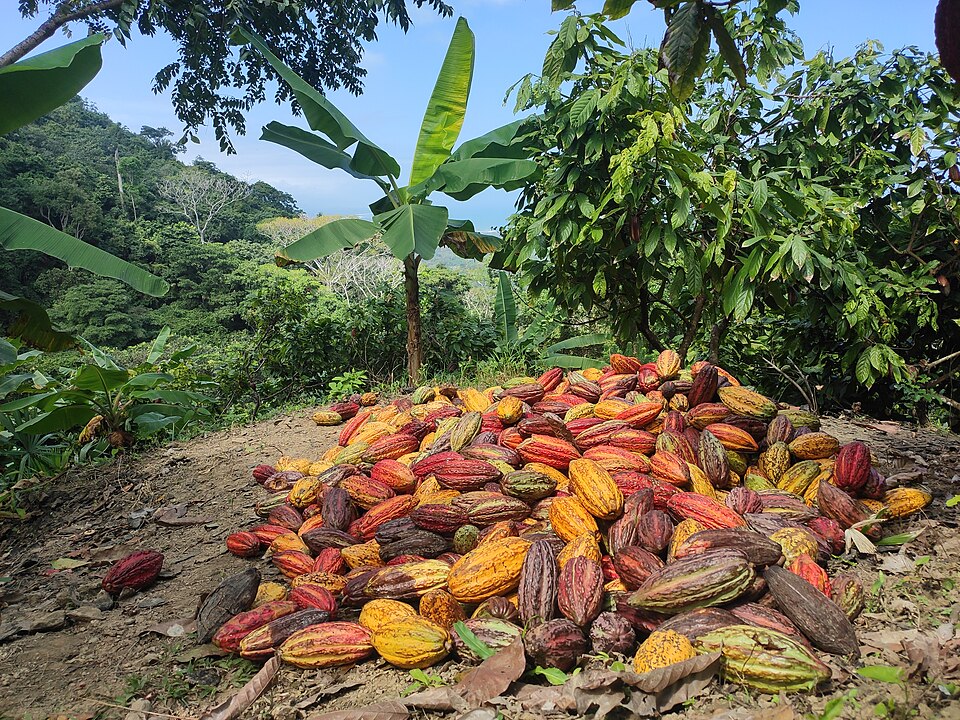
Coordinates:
<point>172,628</point>
<point>660,679</point>
<point>493,676</point>
<point>247,695</point>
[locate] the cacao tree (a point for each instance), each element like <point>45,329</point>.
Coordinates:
<point>322,41</point>
<point>404,218</point>
<point>815,201</point>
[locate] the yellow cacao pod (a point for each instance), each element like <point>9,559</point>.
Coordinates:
<point>489,569</point>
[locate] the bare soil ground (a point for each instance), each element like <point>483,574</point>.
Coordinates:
<point>67,651</point>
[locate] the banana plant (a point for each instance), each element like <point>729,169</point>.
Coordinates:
<point>404,218</point>
<point>30,89</point>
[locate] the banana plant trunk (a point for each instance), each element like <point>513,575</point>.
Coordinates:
<point>411,283</point>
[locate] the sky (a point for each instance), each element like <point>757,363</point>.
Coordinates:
<point>511,38</point>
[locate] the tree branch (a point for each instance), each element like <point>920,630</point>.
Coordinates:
<point>692,327</point>
<point>61,16</point>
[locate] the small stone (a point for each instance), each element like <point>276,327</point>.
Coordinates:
<point>103,600</point>
<point>85,613</point>
<point>139,710</point>
<point>44,622</point>
<point>151,601</point>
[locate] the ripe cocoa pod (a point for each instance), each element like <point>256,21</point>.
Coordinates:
<point>329,644</point>
<point>654,531</point>
<point>261,643</point>
<point>852,468</point>
<point>230,634</point>
<point>528,485</point>
<point>365,528</point>
<point>767,617</point>
<point>442,608</point>
<point>539,577</point>
<point>412,642</point>
<point>556,643</point>
<point>497,607</point>
<point>903,502</point>
<point>758,549</point>
<point>580,590</point>
<point>821,620</point>
<point>570,519</point>
<point>764,660</point>
<point>491,569</point>
<point>708,512</point>
<point>243,544</point>
<point>495,633</point>
<point>314,597</point>
<point>395,475</point>
<point>382,611</point>
<point>337,510</point>
<point>634,565</point>
<point>611,633</point>
<point>287,516</point>
<point>550,451</point>
<point>847,592</point>
<point>232,596</point>
<point>443,519</point>
<point>464,475</point>
<point>711,578</point>
<point>409,580</point>
<point>712,459</point>
<point>704,387</point>
<point>806,567</point>
<point>694,623</point>
<point>743,401</point>
<point>662,649</point>
<point>137,570</point>
<point>595,488</point>
<point>836,504</point>
<point>743,500</point>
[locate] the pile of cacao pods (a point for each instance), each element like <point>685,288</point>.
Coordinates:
<point>582,512</point>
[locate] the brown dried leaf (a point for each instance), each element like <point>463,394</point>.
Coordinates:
<point>387,710</point>
<point>658,680</point>
<point>247,695</point>
<point>172,628</point>
<point>493,676</point>
<point>443,699</point>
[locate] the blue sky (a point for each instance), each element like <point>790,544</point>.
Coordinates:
<point>511,40</point>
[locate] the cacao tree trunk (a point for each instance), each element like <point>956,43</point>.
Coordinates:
<point>411,284</point>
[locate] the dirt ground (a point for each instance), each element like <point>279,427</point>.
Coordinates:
<point>67,650</point>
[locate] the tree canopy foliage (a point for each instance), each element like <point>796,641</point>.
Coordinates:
<point>815,207</point>
<point>210,80</point>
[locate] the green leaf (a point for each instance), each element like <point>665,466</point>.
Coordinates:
<point>574,362</point>
<point>325,118</point>
<point>558,5</point>
<point>312,147</point>
<point>33,87</point>
<point>554,676</point>
<point>580,341</point>
<point>443,118</point>
<point>156,350</point>
<point>681,46</point>
<point>728,48</point>
<point>413,228</point>
<point>883,673</point>
<point>94,377</point>
<point>19,232</point>
<point>328,239</point>
<point>462,179</point>
<point>616,9</point>
<point>501,142</point>
<point>153,422</point>
<point>59,419</point>
<point>8,353</point>
<point>953,502</point>
<point>32,325</point>
<point>505,309</point>
<point>901,539</point>
<point>582,109</point>
<point>479,648</point>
